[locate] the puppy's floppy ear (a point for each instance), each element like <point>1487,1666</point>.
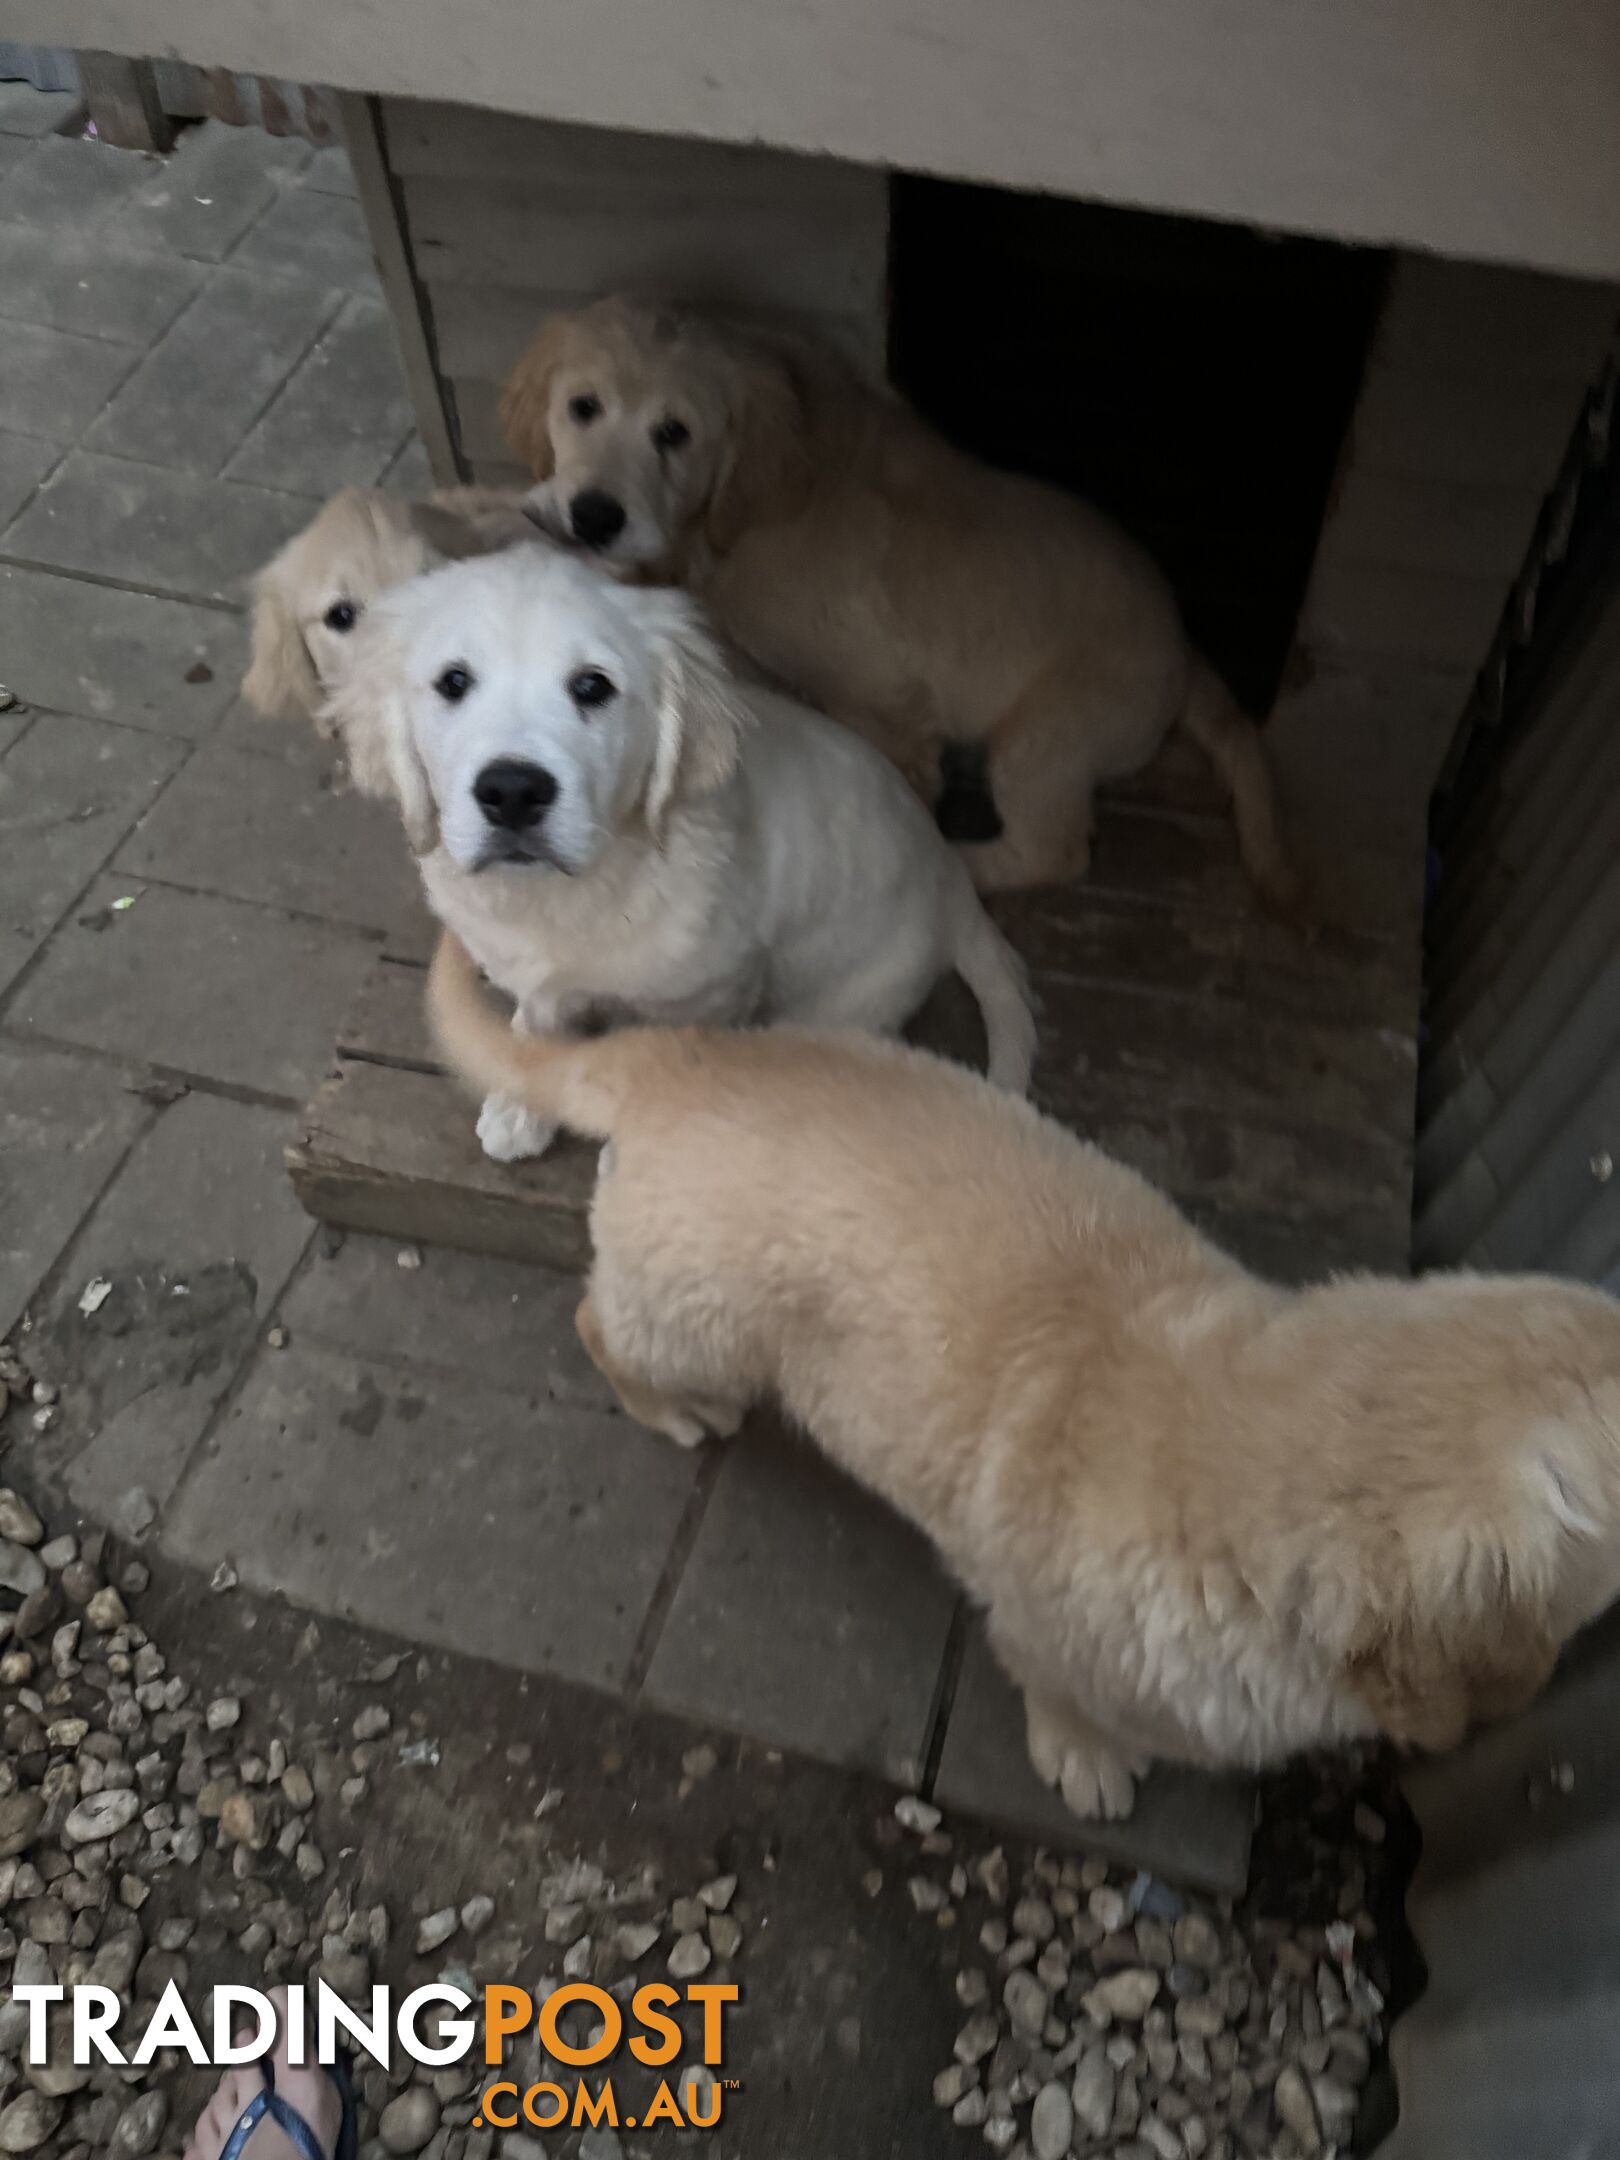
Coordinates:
<point>701,709</point>
<point>367,713</point>
<point>281,676</point>
<point>526,400</point>
<point>765,467</point>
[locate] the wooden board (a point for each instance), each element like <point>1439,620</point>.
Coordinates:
<point>1486,128</point>
<point>1266,1084</point>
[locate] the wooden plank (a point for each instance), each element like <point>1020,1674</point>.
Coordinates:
<point>757,249</point>
<point>122,95</point>
<point>1466,528</point>
<point>482,329</point>
<point>1454,318</point>
<point>1482,128</point>
<point>1384,611</point>
<point>1429,425</point>
<point>379,200</point>
<point>394,1152</point>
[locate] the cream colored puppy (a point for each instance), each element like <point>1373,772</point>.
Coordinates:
<point>307,600</point>
<point>618,828</point>
<point>1212,1521</point>
<point>930,601</point>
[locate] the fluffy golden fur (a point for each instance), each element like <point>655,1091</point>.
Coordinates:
<point>888,579</point>
<point>1212,1520</point>
<point>361,543</point>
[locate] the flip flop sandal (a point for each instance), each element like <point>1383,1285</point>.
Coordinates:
<point>287,2118</point>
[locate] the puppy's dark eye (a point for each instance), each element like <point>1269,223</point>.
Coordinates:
<point>341,615</point>
<point>454,684</point>
<point>589,686</point>
<point>585,408</point>
<point>670,433</point>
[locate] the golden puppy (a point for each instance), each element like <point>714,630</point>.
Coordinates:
<point>925,599</point>
<point>1212,1520</point>
<point>308,599</point>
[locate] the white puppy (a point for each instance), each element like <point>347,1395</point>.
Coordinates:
<point>617,828</point>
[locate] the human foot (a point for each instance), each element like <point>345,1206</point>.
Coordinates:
<point>309,2096</point>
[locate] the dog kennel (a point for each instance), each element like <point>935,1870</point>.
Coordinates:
<point>1319,304</point>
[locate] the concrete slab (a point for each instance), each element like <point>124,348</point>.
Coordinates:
<point>173,532</point>
<point>26,111</point>
<point>527,1533</point>
<point>410,473</point>
<point>70,186</point>
<point>199,985</point>
<point>14,149</point>
<point>201,200</point>
<point>65,1125</point>
<point>69,791</point>
<point>340,419</point>
<point>505,1325</point>
<point>282,835</point>
<point>89,284</point>
<point>14,725</point>
<point>24,462</point>
<point>329,170</point>
<point>807,1615</point>
<point>211,375</point>
<point>196,1236</point>
<point>1186,1827</point>
<point>112,655</point>
<point>57,383</point>
<point>313,233</point>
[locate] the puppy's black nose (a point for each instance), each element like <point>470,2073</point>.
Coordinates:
<point>595,517</point>
<point>514,794</point>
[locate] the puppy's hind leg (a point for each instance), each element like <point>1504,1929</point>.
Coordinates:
<point>1041,773</point>
<point>688,1420</point>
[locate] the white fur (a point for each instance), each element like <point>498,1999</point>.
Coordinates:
<point>715,852</point>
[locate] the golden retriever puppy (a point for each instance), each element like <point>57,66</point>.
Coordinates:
<point>307,600</point>
<point>934,604</point>
<point>1212,1521</point>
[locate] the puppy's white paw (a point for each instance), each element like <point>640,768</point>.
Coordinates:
<point>509,1133</point>
<point>1097,1782</point>
<point>1050,1738</point>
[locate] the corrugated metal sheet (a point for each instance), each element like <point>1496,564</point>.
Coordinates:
<point>1513,2050</point>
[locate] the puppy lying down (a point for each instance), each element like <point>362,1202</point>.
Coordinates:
<point>619,829</point>
<point>1211,1520</point>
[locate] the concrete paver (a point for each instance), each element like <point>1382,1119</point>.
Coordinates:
<point>65,1125</point>
<point>313,233</point>
<point>807,1613</point>
<point>70,186</point>
<point>88,283</point>
<point>200,201</point>
<point>281,834</point>
<point>56,383</point>
<point>505,1325</point>
<point>89,649</point>
<point>239,995</point>
<point>187,534</point>
<point>69,791</point>
<point>527,1532</point>
<point>195,1238</point>
<point>213,372</point>
<point>342,417</point>
<point>24,462</point>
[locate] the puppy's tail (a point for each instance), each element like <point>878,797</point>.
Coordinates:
<point>581,1085</point>
<point>995,975</point>
<point>1231,742</point>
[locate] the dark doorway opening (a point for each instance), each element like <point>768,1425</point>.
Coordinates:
<point>1194,380</point>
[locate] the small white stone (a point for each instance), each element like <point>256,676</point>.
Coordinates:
<point>689,1958</point>
<point>436,1930</point>
<point>1051,2123</point>
<point>409,1257</point>
<point>477,1913</point>
<point>223,1712</point>
<point>917,1815</point>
